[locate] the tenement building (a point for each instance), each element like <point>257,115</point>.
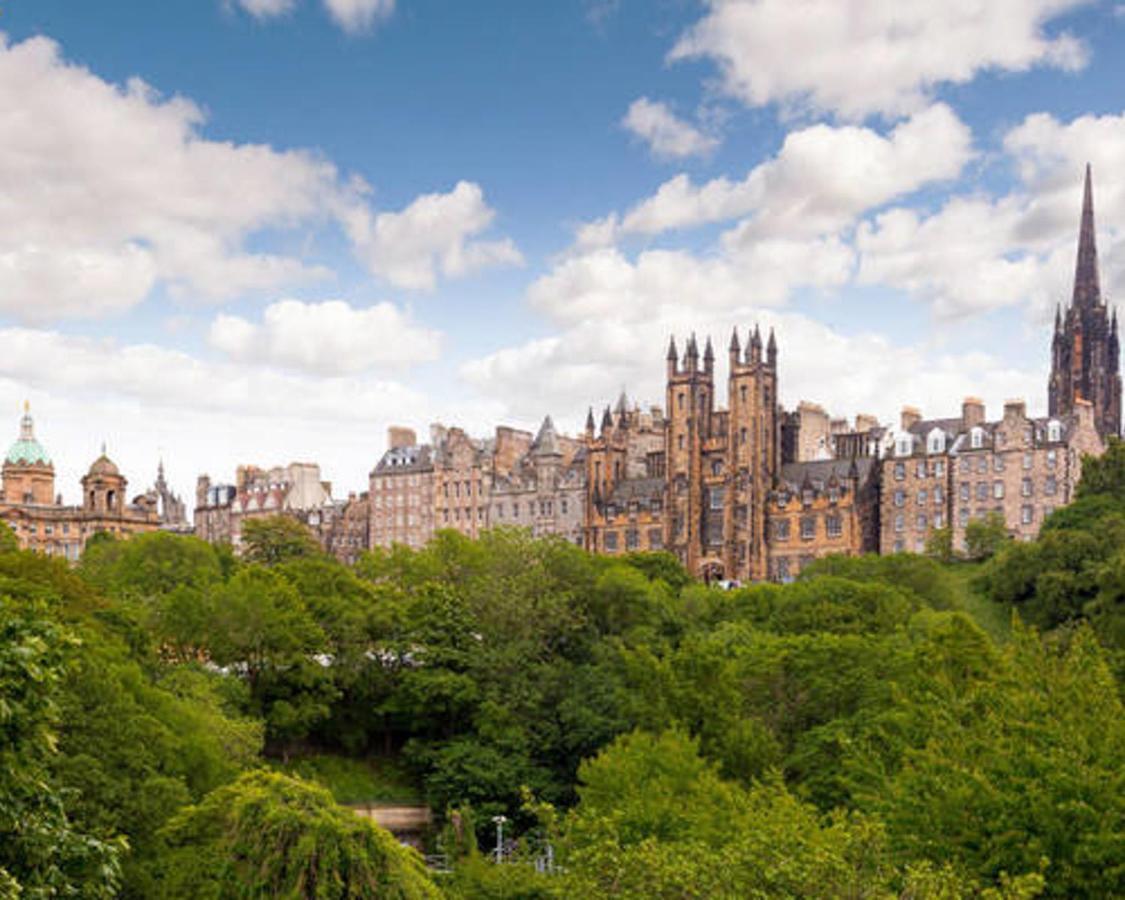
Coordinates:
<point>44,523</point>
<point>544,489</point>
<point>294,490</point>
<point>947,472</point>
<point>1085,354</point>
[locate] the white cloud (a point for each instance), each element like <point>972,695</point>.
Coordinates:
<point>435,234</point>
<point>975,254</point>
<point>106,190</point>
<point>267,9</point>
<point>820,180</point>
<point>328,338</point>
<point>356,16</point>
<point>667,135</point>
<point>860,57</point>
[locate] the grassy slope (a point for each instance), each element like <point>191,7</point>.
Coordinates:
<point>357,780</point>
<point>992,617</point>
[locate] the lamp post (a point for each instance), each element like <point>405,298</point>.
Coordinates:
<point>499,822</point>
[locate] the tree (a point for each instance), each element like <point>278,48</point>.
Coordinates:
<point>275,539</point>
<point>42,854</point>
<point>1104,475</point>
<point>939,545</point>
<point>271,835</point>
<point>984,537</point>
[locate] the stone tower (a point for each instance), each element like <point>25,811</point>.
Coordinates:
<point>720,462</point>
<point>1085,353</point>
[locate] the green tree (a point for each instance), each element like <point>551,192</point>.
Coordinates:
<point>276,539</point>
<point>42,854</point>
<point>984,537</point>
<point>269,835</point>
<point>1104,475</point>
<point>939,545</point>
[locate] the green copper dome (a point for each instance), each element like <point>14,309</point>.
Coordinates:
<point>27,451</point>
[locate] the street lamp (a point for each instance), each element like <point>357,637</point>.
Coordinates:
<point>499,822</point>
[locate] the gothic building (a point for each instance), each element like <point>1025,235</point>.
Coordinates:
<point>1085,350</point>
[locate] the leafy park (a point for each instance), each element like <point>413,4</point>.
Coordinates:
<point>176,722</point>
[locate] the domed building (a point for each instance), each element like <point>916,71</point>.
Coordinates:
<point>32,509</point>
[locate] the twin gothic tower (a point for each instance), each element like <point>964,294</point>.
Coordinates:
<point>1085,351</point>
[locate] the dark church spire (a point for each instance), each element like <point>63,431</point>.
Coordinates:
<point>1087,290</point>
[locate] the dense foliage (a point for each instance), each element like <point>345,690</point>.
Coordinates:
<point>855,733</point>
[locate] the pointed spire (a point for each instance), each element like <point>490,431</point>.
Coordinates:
<point>547,441</point>
<point>1058,318</point>
<point>673,356</point>
<point>622,403</point>
<point>1087,290</point>
<point>692,347</point>
<point>1113,322</point>
<point>708,352</point>
<point>590,420</point>
<point>735,347</point>
<point>771,349</point>
<point>756,339</point>
<point>607,421</point>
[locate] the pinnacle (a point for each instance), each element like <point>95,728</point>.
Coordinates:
<point>1087,289</point>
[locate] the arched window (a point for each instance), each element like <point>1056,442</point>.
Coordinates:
<point>110,496</point>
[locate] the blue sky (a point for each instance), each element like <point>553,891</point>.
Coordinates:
<point>262,230</point>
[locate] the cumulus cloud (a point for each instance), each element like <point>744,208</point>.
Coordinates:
<point>819,181</point>
<point>356,16</point>
<point>855,58</point>
<point>978,253</point>
<point>108,191</point>
<point>667,135</point>
<point>436,234</point>
<point>327,338</point>
<point>105,190</point>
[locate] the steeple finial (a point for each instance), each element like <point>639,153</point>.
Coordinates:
<point>1087,289</point>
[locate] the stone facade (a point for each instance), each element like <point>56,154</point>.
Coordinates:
<point>43,523</point>
<point>295,490</point>
<point>947,472</point>
<point>1085,353</point>
<point>545,489</point>
<point>401,494</point>
<point>462,481</point>
<point>819,509</point>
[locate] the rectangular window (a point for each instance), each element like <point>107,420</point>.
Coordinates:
<point>922,498</point>
<point>632,539</point>
<point>998,490</point>
<point>939,519</point>
<point>900,522</point>
<point>783,569</point>
<point>997,464</point>
<point>716,498</point>
<point>781,529</point>
<point>611,541</point>
<point>963,492</point>
<point>939,468</point>
<point>808,528</point>
<point>900,498</point>
<point>834,526</point>
<point>982,490</point>
<point>982,464</point>
<point>939,495</point>
<point>1050,487</point>
<point>1052,458</point>
<point>966,465</point>
<point>963,517</point>
<point>1027,458</point>
<point>920,469</point>
<point>1025,487</point>
<point>920,522</point>
<point>900,471</point>
<point>1026,515</point>
<point>655,539</point>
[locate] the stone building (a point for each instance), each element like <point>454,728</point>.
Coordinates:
<point>295,490</point>
<point>721,463</point>
<point>343,529</point>
<point>169,506</point>
<point>462,480</point>
<point>819,509</point>
<point>544,489</point>
<point>623,507</point>
<point>44,523</point>
<point>947,472</point>
<point>401,494</point>
<point>1085,353</point>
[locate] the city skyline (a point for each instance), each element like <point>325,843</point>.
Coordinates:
<point>484,219</point>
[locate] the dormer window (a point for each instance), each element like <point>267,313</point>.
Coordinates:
<point>903,446</point>
<point>976,438</point>
<point>1054,431</point>
<point>935,443</point>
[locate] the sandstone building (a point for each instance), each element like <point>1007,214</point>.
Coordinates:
<point>295,490</point>
<point>42,522</point>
